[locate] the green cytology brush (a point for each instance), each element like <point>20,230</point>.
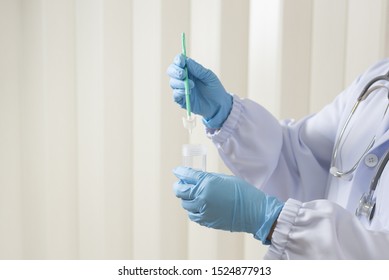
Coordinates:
<point>190,120</point>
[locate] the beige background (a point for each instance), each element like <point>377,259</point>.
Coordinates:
<point>89,134</point>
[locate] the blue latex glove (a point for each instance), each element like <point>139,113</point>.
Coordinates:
<point>208,97</point>
<point>226,202</point>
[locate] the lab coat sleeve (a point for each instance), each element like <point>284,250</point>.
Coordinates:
<point>241,144</point>
<point>284,159</point>
<point>287,159</point>
<point>321,229</point>
<point>291,160</point>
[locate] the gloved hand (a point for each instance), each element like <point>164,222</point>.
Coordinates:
<point>208,97</point>
<point>226,202</point>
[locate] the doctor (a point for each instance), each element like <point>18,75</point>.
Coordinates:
<point>316,188</point>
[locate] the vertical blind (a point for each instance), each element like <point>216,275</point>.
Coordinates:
<point>89,133</point>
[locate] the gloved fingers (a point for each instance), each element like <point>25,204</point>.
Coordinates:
<point>176,72</point>
<point>176,84</point>
<point>180,84</point>
<point>188,175</point>
<point>194,68</point>
<point>179,60</point>
<point>190,200</point>
<point>179,97</point>
<point>192,206</point>
<point>200,72</point>
<point>197,217</point>
<point>184,191</point>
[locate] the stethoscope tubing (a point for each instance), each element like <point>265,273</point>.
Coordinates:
<point>367,203</point>
<point>364,94</point>
<point>377,176</point>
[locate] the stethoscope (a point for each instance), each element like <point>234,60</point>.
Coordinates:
<point>367,202</point>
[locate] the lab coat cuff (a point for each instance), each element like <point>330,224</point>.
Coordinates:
<point>282,231</point>
<point>222,134</point>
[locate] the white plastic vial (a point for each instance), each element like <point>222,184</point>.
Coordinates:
<point>194,156</point>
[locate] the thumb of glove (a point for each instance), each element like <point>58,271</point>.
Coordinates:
<point>187,174</point>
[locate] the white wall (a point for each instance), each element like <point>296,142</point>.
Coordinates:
<point>89,133</point>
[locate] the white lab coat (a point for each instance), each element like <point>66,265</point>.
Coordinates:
<point>291,160</point>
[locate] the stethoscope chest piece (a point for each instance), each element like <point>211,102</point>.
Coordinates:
<point>367,203</point>
<point>366,206</point>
